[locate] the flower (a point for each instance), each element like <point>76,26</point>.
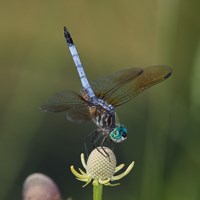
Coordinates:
<point>41,187</point>
<point>100,167</point>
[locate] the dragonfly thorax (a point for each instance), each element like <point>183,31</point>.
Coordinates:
<point>103,118</point>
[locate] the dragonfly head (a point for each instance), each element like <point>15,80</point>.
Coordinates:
<point>119,133</point>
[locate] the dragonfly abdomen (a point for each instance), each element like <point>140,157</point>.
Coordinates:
<point>78,64</point>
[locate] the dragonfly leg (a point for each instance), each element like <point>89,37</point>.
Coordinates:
<point>92,135</point>
<point>95,138</point>
<point>102,145</point>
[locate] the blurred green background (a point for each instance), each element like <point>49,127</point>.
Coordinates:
<point>163,122</point>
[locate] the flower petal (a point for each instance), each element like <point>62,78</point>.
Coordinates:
<point>89,180</point>
<point>82,179</point>
<point>103,182</point>
<point>114,178</point>
<point>81,171</point>
<point>119,167</point>
<point>78,175</point>
<point>110,184</point>
<point>83,161</point>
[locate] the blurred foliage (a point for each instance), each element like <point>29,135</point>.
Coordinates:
<point>163,122</point>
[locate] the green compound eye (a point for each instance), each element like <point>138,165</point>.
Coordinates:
<point>119,133</point>
<point>115,132</point>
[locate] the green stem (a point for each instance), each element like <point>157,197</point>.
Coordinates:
<point>97,191</point>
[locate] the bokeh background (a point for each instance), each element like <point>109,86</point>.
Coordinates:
<point>163,122</point>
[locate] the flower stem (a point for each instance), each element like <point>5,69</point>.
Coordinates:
<point>97,191</point>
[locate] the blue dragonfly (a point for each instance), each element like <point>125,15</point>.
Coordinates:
<point>99,99</point>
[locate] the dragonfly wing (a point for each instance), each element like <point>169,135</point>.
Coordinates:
<point>75,106</point>
<point>106,86</point>
<point>121,93</point>
<point>63,101</point>
<point>79,115</point>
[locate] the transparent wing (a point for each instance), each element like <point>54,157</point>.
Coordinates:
<point>106,86</point>
<point>75,106</point>
<point>124,85</point>
<point>80,114</point>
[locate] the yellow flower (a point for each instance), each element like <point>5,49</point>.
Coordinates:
<point>100,167</point>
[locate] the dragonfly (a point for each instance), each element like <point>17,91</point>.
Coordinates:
<point>99,99</point>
